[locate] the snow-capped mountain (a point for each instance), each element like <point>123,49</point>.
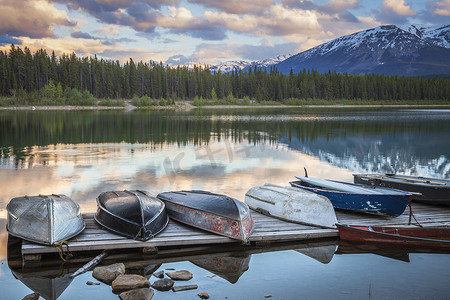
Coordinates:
<point>230,66</point>
<point>390,50</point>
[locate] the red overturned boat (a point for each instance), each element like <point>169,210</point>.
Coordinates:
<point>211,212</point>
<point>418,237</point>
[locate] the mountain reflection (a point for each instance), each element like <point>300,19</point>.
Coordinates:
<point>403,141</point>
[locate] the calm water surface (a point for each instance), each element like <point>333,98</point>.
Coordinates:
<point>83,153</point>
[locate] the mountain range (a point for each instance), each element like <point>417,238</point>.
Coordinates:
<point>391,50</point>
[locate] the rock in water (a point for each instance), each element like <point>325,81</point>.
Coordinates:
<point>129,282</point>
<point>159,274</point>
<point>163,284</point>
<point>184,288</point>
<point>180,275</point>
<point>107,274</point>
<point>34,296</point>
<point>137,294</point>
<point>203,295</point>
<point>92,283</point>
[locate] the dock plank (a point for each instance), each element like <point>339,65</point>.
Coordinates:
<point>94,237</point>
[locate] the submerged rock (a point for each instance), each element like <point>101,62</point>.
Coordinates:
<point>137,294</point>
<point>163,284</point>
<point>129,282</point>
<point>184,288</point>
<point>203,295</point>
<point>107,274</point>
<point>180,275</point>
<point>159,274</point>
<point>34,296</point>
<point>92,283</point>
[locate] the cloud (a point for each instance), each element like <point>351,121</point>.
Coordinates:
<point>212,53</point>
<point>82,35</point>
<point>66,45</point>
<point>277,20</point>
<point>30,18</point>
<point>440,8</point>
<point>236,6</point>
<point>398,7</point>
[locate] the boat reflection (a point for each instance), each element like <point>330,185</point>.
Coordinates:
<point>321,253</point>
<point>393,252</point>
<point>227,266</point>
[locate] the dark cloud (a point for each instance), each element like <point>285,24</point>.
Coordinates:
<point>82,35</point>
<point>236,6</point>
<point>6,40</point>
<point>205,33</point>
<point>429,14</point>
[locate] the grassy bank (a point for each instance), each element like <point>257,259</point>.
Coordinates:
<point>87,101</point>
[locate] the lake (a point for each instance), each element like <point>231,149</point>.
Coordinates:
<point>83,153</point>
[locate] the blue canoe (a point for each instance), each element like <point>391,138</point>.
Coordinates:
<point>355,197</point>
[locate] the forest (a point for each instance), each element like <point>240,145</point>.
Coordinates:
<point>45,78</point>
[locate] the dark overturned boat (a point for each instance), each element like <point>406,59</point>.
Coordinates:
<point>358,198</point>
<point>44,219</point>
<point>133,214</point>
<point>426,190</point>
<point>212,212</point>
<point>422,237</point>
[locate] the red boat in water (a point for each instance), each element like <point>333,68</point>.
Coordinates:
<point>211,212</point>
<point>419,237</point>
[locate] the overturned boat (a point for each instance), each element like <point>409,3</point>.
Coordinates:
<point>358,198</point>
<point>133,214</point>
<point>292,204</point>
<point>426,190</point>
<point>44,219</point>
<point>211,212</point>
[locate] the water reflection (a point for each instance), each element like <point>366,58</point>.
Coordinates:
<point>228,267</point>
<point>382,140</point>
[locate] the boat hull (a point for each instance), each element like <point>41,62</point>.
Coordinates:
<point>431,237</point>
<point>425,190</point>
<point>388,205</point>
<point>133,214</point>
<point>211,212</point>
<point>292,204</point>
<point>44,219</point>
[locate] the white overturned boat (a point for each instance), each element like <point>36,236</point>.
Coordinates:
<point>44,219</point>
<point>292,204</point>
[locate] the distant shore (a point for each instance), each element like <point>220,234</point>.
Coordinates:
<point>187,106</point>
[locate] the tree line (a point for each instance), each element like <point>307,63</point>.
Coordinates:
<point>39,74</point>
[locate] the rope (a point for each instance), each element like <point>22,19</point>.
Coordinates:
<point>411,215</point>
<point>65,255</point>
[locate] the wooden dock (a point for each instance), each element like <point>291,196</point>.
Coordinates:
<point>267,230</point>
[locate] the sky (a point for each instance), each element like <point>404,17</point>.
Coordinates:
<point>207,32</point>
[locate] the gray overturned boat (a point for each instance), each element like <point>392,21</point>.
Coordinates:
<point>133,214</point>
<point>211,212</point>
<point>426,190</point>
<point>44,219</point>
<point>292,204</point>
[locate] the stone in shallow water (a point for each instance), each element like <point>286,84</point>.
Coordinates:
<point>180,275</point>
<point>137,294</point>
<point>163,284</point>
<point>129,282</point>
<point>34,296</point>
<point>159,274</point>
<point>203,295</point>
<point>184,288</point>
<point>107,274</point>
<point>92,283</point>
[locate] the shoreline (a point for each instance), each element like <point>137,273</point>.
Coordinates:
<point>187,106</point>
